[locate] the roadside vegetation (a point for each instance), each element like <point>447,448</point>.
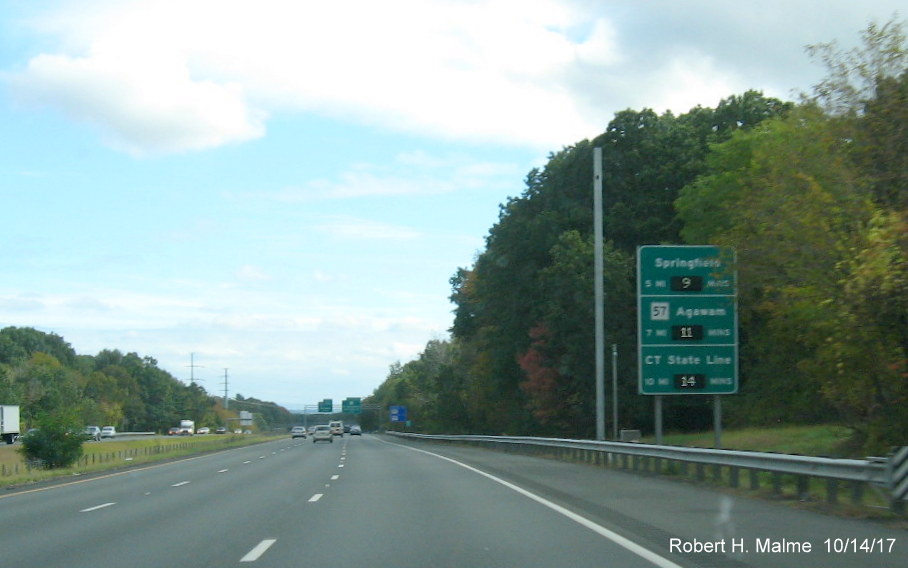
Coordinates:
<point>16,470</point>
<point>813,196</point>
<point>49,381</point>
<point>806,440</point>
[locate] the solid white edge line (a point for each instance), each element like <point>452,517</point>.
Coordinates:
<point>259,550</point>
<point>625,543</point>
<point>181,484</point>
<point>96,507</point>
<point>316,497</point>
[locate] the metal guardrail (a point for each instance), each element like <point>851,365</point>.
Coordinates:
<point>855,472</point>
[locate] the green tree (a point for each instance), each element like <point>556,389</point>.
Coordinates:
<point>57,442</point>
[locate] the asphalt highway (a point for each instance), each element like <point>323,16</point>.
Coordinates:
<point>375,501</point>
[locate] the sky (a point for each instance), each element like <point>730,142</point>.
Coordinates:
<point>273,194</point>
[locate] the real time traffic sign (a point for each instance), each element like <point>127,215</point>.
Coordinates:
<point>687,320</point>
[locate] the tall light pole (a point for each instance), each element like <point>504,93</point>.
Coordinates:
<point>599,293</point>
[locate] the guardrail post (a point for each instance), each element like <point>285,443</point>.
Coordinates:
<point>754,479</point>
<point>733,473</point>
<point>832,491</point>
<point>803,487</point>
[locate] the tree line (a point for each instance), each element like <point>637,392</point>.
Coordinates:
<point>812,195</point>
<point>51,383</point>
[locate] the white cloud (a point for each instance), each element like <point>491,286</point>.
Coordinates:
<point>347,227</point>
<point>473,70</point>
<point>177,75</point>
<point>142,104</point>
<point>249,272</point>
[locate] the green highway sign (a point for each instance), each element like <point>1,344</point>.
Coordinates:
<point>326,405</point>
<point>687,320</point>
<point>352,405</point>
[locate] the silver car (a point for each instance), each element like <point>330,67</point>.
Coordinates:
<point>322,433</point>
<point>93,433</point>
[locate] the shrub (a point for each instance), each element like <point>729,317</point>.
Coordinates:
<point>56,443</point>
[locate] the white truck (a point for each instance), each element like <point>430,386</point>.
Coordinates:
<point>9,422</point>
<point>187,427</point>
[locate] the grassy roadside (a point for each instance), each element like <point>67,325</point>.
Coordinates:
<point>111,455</point>
<point>819,440</point>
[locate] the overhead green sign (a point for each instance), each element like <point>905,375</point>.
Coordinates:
<point>352,405</point>
<point>687,320</point>
<point>326,405</point>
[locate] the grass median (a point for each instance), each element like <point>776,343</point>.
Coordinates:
<point>112,455</point>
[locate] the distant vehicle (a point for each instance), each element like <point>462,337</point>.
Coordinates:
<point>337,428</point>
<point>174,431</point>
<point>187,427</point>
<point>93,433</point>
<point>220,430</point>
<point>9,422</point>
<point>203,430</point>
<point>356,431</point>
<point>322,433</point>
<point>108,432</point>
<point>311,430</point>
<point>247,431</point>
<point>298,432</point>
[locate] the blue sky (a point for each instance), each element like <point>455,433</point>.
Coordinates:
<point>283,188</point>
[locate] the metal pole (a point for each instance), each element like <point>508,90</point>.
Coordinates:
<point>717,419</point>
<point>599,294</point>
<point>614,391</point>
<point>658,402</point>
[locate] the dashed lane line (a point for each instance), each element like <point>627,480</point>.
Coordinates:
<point>96,507</point>
<point>259,550</point>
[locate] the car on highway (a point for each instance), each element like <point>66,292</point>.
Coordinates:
<point>203,430</point>
<point>93,433</point>
<point>322,433</point>
<point>220,430</point>
<point>173,431</point>
<point>108,432</point>
<point>298,432</point>
<point>356,430</point>
<point>337,428</point>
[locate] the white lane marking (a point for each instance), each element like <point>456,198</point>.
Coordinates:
<point>259,550</point>
<point>180,484</point>
<point>225,470</point>
<point>341,465</point>
<point>96,507</point>
<point>316,497</point>
<point>597,528</point>
<point>335,477</point>
<point>247,461</point>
